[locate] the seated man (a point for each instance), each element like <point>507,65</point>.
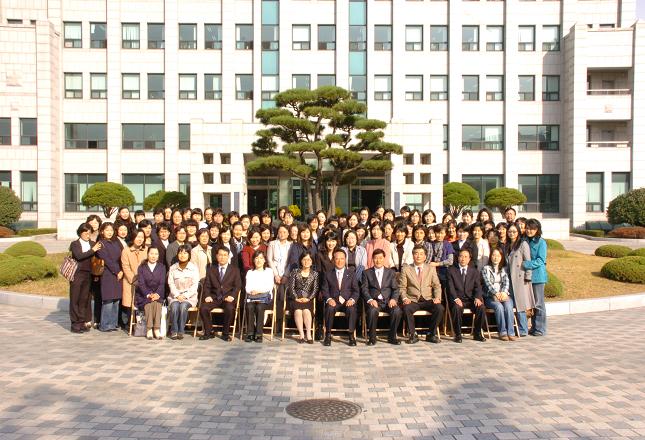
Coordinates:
<point>465,290</point>
<point>420,289</point>
<point>340,293</point>
<point>380,290</point>
<point>221,287</point>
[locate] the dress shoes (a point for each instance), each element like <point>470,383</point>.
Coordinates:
<point>413,339</point>
<point>458,339</point>
<point>310,341</point>
<point>394,341</point>
<point>180,336</point>
<point>205,337</point>
<point>258,339</point>
<point>433,338</point>
<point>504,338</point>
<point>352,341</point>
<point>479,337</point>
<point>174,336</point>
<point>327,341</point>
<point>249,338</point>
<point>76,330</point>
<point>512,338</point>
<point>371,341</point>
<point>227,338</point>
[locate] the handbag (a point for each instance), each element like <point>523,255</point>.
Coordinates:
<point>68,268</point>
<point>163,328</point>
<point>140,329</point>
<point>264,298</point>
<point>98,266</point>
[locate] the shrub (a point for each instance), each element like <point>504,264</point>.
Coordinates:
<point>10,206</point>
<point>108,196</point>
<point>37,231</point>
<point>590,232</point>
<point>554,245</point>
<point>503,198</point>
<point>26,267</point>
<point>628,208</point>
<point>5,257</point>
<point>6,232</point>
<point>612,251</point>
<point>554,287</point>
<point>161,199</point>
<point>628,269</point>
<point>637,253</point>
<point>633,232</point>
<point>26,248</point>
<point>457,196</point>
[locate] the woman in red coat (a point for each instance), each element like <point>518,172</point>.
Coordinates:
<point>254,243</point>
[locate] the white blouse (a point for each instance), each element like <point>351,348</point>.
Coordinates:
<point>260,281</point>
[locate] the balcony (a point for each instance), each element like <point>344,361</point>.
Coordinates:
<point>602,134</point>
<point>608,144</point>
<point>608,104</point>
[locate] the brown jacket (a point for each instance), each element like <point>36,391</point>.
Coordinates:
<point>130,261</point>
<point>430,287</point>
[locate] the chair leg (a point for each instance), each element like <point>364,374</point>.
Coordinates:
<point>487,325</point>
<point>132,315</point>
<point>515,325</point>
<point>242,324</point>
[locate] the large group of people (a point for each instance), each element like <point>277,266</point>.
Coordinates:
<point>364,264</point>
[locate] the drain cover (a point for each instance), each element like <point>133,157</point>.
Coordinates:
<point>323,410</point>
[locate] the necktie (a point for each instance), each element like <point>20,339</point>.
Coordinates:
<point>379,277</point>
<point>419,274</point>
<point>339,276</point>
<point>221,273</point>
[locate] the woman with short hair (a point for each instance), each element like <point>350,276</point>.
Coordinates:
<point>183,282</point>
<point>201,254</point>
<point>131,258</point>
<point>539,277</point>
<point>150,292</point>
<point>259,296</point>
<point>303,289</point>
<point>82,250</point>
<point>496,287</point>
<point>377,242</point>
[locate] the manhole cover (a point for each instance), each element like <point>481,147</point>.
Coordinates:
<point>323,410</point>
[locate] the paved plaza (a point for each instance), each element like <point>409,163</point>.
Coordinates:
<point>585,380</point>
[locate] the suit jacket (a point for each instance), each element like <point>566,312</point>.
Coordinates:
<point>150,282</point>
<point>409,287</point>
<point>470,290</point>
<point>468,244</point>
<point>84,259</point>
<point>220,289</point>
<point>348,289</point>
<point>389,288</point>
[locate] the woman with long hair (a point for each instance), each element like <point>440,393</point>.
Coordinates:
<point>517,253</point>
<point>111,280</point>
<point>377,242</point>
<point>259,295</point>
<point>496,287</point>
<point>131,258</point>
<point>539,278</point>
<point>183,281</point>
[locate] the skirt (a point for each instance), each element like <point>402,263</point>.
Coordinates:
<point>295,305</point>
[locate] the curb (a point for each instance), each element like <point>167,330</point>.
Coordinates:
<point>30,238</point>
<point>610,239</point>
<point>53,303</point>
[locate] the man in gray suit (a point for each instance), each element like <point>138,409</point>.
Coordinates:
<point>380,291</point>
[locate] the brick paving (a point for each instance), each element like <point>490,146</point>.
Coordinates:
<point>585,380</point>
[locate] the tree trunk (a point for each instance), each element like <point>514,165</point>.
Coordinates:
<point>310,201</point>
<point>332,197</point>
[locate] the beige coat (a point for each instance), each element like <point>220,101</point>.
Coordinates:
<point>521,288</point>
<point>131,258</point>
<point>409,287</point>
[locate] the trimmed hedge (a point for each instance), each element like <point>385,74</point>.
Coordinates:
<point>632,232</point>
<point>612,251</point>
<point>554,287</point>
<point>554,245</point>
<point>4,257</point>
<point>26,267</point>
<point>37,231</point>
<point>6,232</point>
<point>628,269</point>
<point>590,232</point>
<point>26,248</point>
<point>637,253</point>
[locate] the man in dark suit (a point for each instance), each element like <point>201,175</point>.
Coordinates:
<point>340,294</point>
<point>380,290</point>
<point>465,290</point>
<point>221,287</point>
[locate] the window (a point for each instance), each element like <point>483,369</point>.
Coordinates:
<point>212,36</point>
<point>130,86</point>
<point>269,62</point>
<point>494,38</point>
<point>470,38</point>
<point>425,159</point>
<point>142,185</point>
<point>184,136</point>
<point>75,187</point>
<point>208,178</point>
<point>244,87</point>
<point>414,201</point>
<point>156,86</point>
<point>527,88</point>
<point>542,192</point>
<point>28,131</point>
<point>5,131</point>
<point>425,178</point>
<point>270,37</point>
<point>188,86</point>
<point>538,137</point>
<point>98,36</point>
<point>130,36</point>
<point>73,85</point>
<point>5,178</point>
<point>29,190</point>
<point>143,136</point>
<point>550,38</point>
<point>73,32</point>
<point>382,37</point>
<point>413,87</point>
<point>438,87</point>
<point>438,38</point>
<point>358,87</point>
<point>408,159</point>
<point>225,158</point>
<point>244,36</point>
<point>326,37</point>
<point>98,86</point>
<point>494,87</point>
<point>471,87</point>
<point>326,80</point>
<point>301,37</point>
<point>482,137</point>
<point>620,184</point>
<point>413,38</point>
<point>187,36</point>
<point>594,192</point>
<point>409,178</point>
<point>383,87</point>
<point>446,137</point>
<point>270,88</point>
<point>208,158</point>
<point>156,36</point>
<point>551,88</point>
<point>301,82</point>
<point>212,86</point>
<point>482,184</point>
<point>358,38</point>
<point>526,39</point>
<point>225,178</point>
<point>86,136</point>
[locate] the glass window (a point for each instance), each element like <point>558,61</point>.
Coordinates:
<point>383,37</point>
<point>382,87</point>
<point>5,178</point>
<point>184,136</point>
<point>270,88</point>
<point>130,86</point>
<point>28,131</point>
<point>156,37</point>
<point>538,137</point>
<point>594,192</point>
<point>438,87</point>
<point>438,38</point>
<point>73,32</point>
<point>414,201</point>
<point>494,87</point>
<point>482,184</point>
<point>357,38</point>
<point>413,87</point>
<point>326,80</point>
<point>130,36</point>
<point>413,38</point>
<point>244,36</point>
<point>470,38</point>
<point>301,37</point>
<point>75,187</point>
<point>98,36</point>
<point>5,131</point>
<point>482,137</point>
<point>326,37</point>
<point>188,86</point>
<point>301,82</point>
<point>446,137</point>
<point>184,184</point>
<point>270,37</point>
<point>29,190</point>
<point>357,12</point>
<point>494,38</point>
<point>620,184</point>
<point>212,86</point>
<point>244,87</point>
<point>86,136</point>
<point>358,87</point>
<point>270,13</point>
<point>270,64</point>
<point>357,63</point>
<point>143,136</point>
<point>471,87</point>
<point>156,86</point>
<point>142,185</point>
<point>225,178</point>
<point>527,88</point>
<point>550,38</point>
<point>212,36</point>
<point>551,88</point>
<point>73,85</point>
<point>187,36</point>
<point>98,85</point>
<point>526,39</point>
<point>542,192</point>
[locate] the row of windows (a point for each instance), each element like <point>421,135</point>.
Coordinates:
<point>28,131</point>
<point>28,188</point>
<point>620,184</point>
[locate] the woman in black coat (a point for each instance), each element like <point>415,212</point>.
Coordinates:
<point>79,290</point>
<point>111,284</point>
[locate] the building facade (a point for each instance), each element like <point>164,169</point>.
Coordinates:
<point>536,95</point>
